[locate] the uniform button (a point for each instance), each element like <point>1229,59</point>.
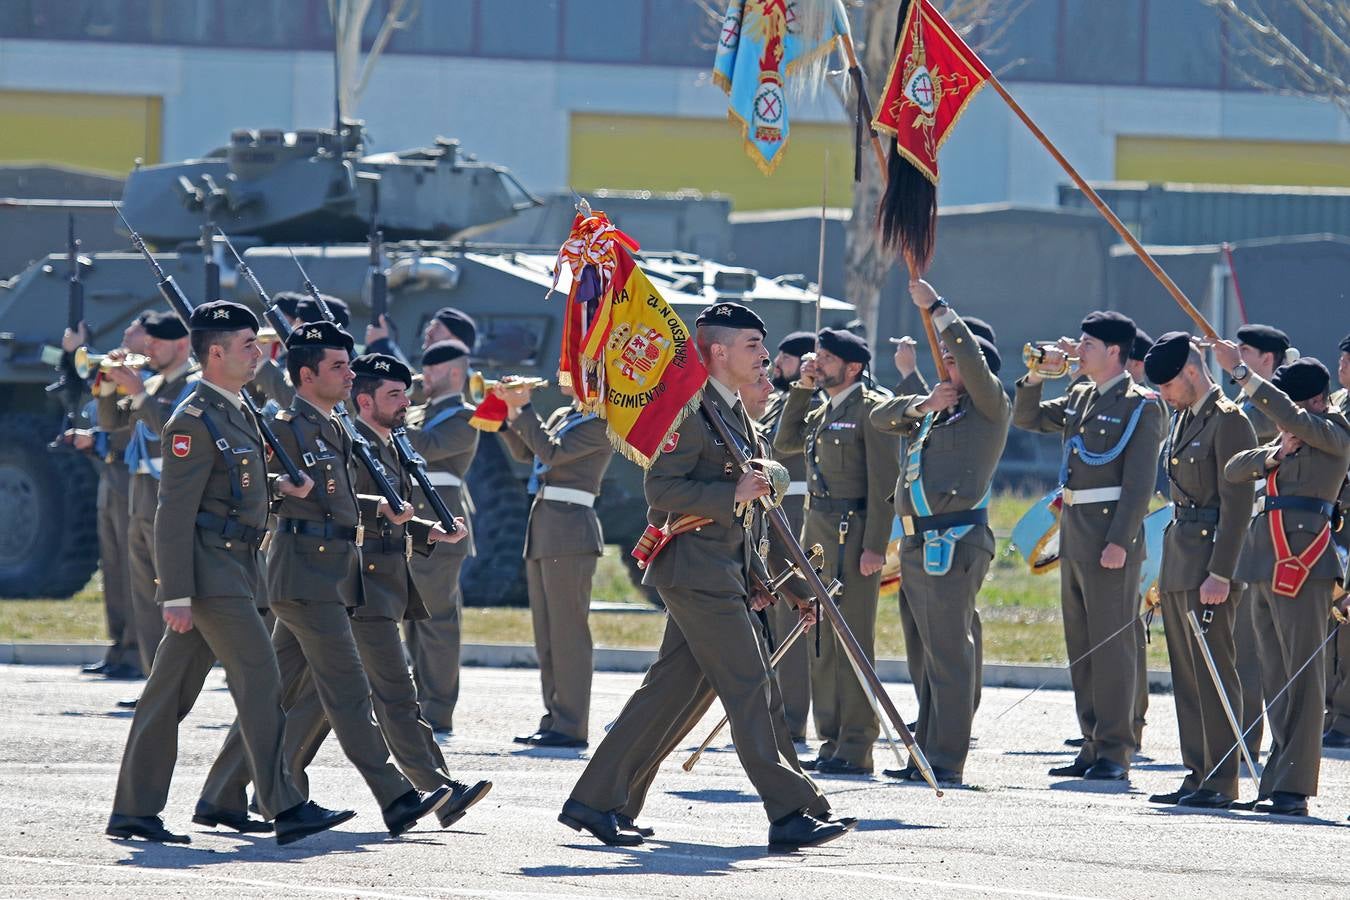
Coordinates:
<point>321,548</point>
<point>1191,460</point>
<point>1175,460</point>
<point>1075,450</point>
<point>1204,532</point>
<point>1103,431</point>
<point>370,568</point>
<point>228,545</point>
<point>1105,510</point>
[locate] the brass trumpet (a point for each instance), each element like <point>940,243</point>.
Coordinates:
<point>268,335</point>
<point>479,387</point>
<point>86,362</point>
<point>1047,360</point>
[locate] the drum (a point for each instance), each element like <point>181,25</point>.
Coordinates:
<point>1036,534</point>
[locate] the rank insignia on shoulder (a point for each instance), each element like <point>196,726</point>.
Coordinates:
<point>192,409</point>
<point>180,444</point>
<point>671,442</point>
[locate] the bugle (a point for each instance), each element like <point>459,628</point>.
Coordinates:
<point>480,387</point>
<point>1047,360</point>
<point>86,363</point>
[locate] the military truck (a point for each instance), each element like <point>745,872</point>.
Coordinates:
<point>318,194</point>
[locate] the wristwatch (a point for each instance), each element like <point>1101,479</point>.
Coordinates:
<point>939,305</point>
<point>1241,372</point>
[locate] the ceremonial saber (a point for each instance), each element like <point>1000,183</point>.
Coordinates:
<point>798,558</point>
<point>1223,696</point>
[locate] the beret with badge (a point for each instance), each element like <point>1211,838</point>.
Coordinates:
<point>320,334</point>
<point>1302,379</point>
<point>1109,327</point>
<point>846,345</point>
<point>166,326</point>
<point>443,352</point>
<point>731,315</point>
<point>797,343</point>
<point>222,315</point>
<point>383,366</point>
<point>461,325</point>
<point>1167,357</point>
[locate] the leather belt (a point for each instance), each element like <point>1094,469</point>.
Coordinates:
<point>1091,495</point>
<point>567,495</point>
<point>444,479</point>
<point>232,529</point>
<point>796,489</point>
<point>1203,514</point>
<point>384,543</point>
<point>914,525</point>
<point>1301,504</point>
<point>325,530</point>
<point>822,503</point>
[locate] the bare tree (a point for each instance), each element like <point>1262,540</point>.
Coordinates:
<point>1305,52</point>
<point>349,19</point>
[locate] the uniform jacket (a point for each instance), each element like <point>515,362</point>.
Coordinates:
<point>193,561</point>
<point>1086,529</point>
<point>299,566</point>
<point>793,507</point>
<point>962,449</point>
<point>1317,469</point>
<point>273,383</point>
<point>578,459</point>
<point>162,396</point>
<point>448,447</point>
<point>1341,400</point>
<point>386,576</point>
<point>857,461</point>
<point>1195,458</point>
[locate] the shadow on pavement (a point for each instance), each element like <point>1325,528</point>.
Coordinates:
<point>713,795</point>
<point>253,847</point>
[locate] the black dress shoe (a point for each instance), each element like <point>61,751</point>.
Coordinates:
<point>1106,770</point>
<point>1284,803</point>
<point>837,766</point>
<point>940,775</point>
<point>1171,799</point>
<point>799,830</point>
<point>404,812</point>
<point>462,796</point>
<point>1075,742</point>
<point>900,774</point>
<point>1075,769</point>
<point>626,823</point>
<point>151,828</point>
<point>604,826</point>
<point>306,819</point>
<point>1336,740</point>
<point>526,738</point>
<point>212,816</point>
<point>849,822</point>
<point>557,739</point>
<point>810,765</point>
<point>1206,799</point>
<point>95,669</point>
<point>123,672</point>
<point>127,704</point>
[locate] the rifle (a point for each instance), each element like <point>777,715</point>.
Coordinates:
<point>275,317</point>
<point>182,307</point>
<point>379,280</point>
<point>210,268</point>
<point>417,468</point>
<point>69,383</point>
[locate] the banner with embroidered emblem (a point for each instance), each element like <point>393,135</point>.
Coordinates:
<point>763,44</point>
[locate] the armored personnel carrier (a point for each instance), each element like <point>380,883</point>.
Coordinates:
<point>320,195</point>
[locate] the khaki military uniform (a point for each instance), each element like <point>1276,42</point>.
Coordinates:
<point>563,542</point>
<point>1096,602</point>
<point>1338,674</point>
<point>1290,629</point>
<point>314,583</point>
<point>959,454</point>
<point>448,446</point>
<point>851,471</point>
<point>114,524</point>
<point>272,383</point>
<point>212,509</point>
<point>1210,517</point>
<point>162,393</point>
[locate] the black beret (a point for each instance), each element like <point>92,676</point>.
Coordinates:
<point>797,343</point>
<point>846,345</point>
<point>444,351</point>
<point>307,310</point>
<point>461,325</point>
<point>980,328</point>
<point>991,355</point>
<point>320,334</point>
<point>144,316</point>
<point>1302,379</point>
<point>222,315</point>
<point>1109,327</point>
<point>1264,338</point>
<point>382,365</point>
<point>731,315</point>
<point>1345,344</point>
<point>289,302</point>
<point>166,326</point>
<point>1143,342</point>
<point>1167,357</point>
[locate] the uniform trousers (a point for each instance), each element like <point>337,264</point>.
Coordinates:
<point>1249,673</point>
<point>113,555</point>
<point>434,643</point>
<point>560,605</point>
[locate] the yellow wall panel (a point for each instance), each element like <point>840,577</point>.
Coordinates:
<point>103,132</point>
<point>1232,162</point>
<point>659,153</point>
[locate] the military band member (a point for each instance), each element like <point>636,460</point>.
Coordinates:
<point>314,585</point>
<point>147,406</point>
<point>1337,735</point>
<point>1112,431</point>
<point>851,470</point>
<point>212,513</point>
<point>711,636</point>
<point>1210,518</point>
<point>441,432</point>
<point>954,437</point>
<point>1290,563</point>
<point>570,453</point>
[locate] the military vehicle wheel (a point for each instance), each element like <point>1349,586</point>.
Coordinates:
<point>496,575</point>
<point>48,512</point>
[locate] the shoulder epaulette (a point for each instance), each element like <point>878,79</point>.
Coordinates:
<point>191,408</point>
<point>1223,404</point>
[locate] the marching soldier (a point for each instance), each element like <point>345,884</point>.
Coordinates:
<point>441,432</point>
<point>1210,517</point>
<point>210,522</point>
<point>794,669</point>
<point>570,452</point>
<point>1290,563</point>
<point>147,406</point>
<point>314,586</point>
<point>1112,431</point>
<point>711,637</point>
<point>1337,735</point>
<point>942,498</point>
<point>852,469</point>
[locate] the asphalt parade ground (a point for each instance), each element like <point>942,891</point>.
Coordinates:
<point>1016,832</point>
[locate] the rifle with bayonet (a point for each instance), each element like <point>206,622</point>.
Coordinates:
<point>379,279</point>
<point>277,319</point>
<point>182,307</point>
<point>70,384</point>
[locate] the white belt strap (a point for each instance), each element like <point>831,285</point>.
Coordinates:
<point>151,465</point>
<point>567,495</point>
<point>796,489</point>
<point>444,479</point>
<point>1091,495</point>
